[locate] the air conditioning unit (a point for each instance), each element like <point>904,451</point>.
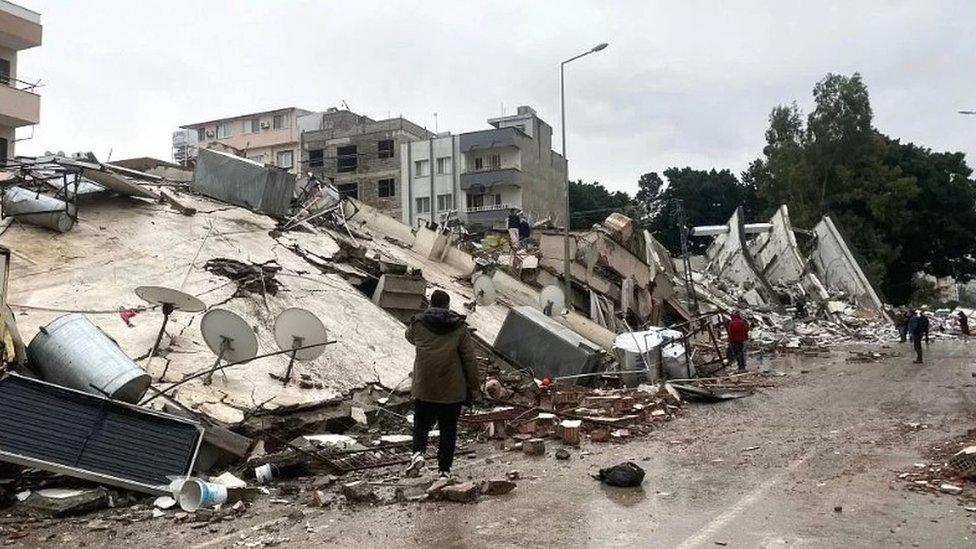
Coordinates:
<point>265,125</point>
<point>210,133</point>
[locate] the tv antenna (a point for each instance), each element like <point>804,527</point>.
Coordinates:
<point>171,300</point>
<point>295,330</point>
<point>229,336</point>
<point>484,290</point>
<point>552,301</point>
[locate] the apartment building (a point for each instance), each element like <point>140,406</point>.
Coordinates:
<point>479,176</point>
<point>361,156</point>
<point>20,105</point>
<point>269,137</point>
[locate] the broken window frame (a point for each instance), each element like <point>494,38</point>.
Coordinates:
<point>347,159</point>
<point>350,190</point>
<point>384,148</point>
<point>386,188</point>
<point>316,158</point>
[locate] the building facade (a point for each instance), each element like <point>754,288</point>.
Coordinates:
<point>361,156</point>
<point>20,105</point>
<point>479,176</point>
<point>269,137</point>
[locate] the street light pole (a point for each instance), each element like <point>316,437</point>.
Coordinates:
<point>567,264</point>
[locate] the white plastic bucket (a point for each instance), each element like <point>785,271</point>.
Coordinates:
<point>197,493</point>
<point>263,474</point>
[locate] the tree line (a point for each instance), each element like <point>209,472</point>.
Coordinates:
<point>903,208</point>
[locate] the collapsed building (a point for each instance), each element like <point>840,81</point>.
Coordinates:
<point>250,242</point>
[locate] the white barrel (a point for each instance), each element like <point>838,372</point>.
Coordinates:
<point>72,352</point>
<point>23,205</point>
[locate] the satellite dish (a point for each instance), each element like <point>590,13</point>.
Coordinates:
<point>229,336</point>
<point>171,300</point>
<point>295,329</point>
<point>484,290</point>
<point>552,301</point>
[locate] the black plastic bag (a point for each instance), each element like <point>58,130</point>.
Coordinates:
<point>625,475</point>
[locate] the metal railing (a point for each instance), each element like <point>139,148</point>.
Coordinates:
<point>489,208</point>
<point>9,81</point>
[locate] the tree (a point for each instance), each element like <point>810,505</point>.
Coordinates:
<point>695,197</point>
<point>591,203</point>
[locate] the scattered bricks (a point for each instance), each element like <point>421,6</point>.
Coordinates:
<point>570,431</point>
<point>497,487</point>
<point>534,447</point>
<point>600,434</point>
<point>527,427</point>
<point>359,492</point>
<point>950,489</point>
<point>410,492</point>
<point>497,430</point>
<point>658,414</point>
<point>465,492</point>
<point>622,405</point>
<point>562,454</point>
<point>319,499</point>
<point>620,434</point>
<point>544,424</point>
<point>964,462</point>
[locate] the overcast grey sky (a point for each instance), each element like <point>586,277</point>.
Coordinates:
<point>682,83</point>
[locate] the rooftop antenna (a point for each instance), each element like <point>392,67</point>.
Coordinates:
<point>552,301</point>
<point>435,123</point>
<point>229,337</point>
<point>296,329</point>
<point>484,290</point>
<point>171,300</point>
<point>345,105</point>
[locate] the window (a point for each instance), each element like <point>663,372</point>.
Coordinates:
<point>224,130</point>
<point>386,188</point>
<point>420,167</point>
<point>3,150</point>
<point>385,148</point>
<point>445,202</point>
<point>4,72</point>
<point>494,161</point>
<point>423,205</point>
<point>479,163</point>
<point>279,122</point>
<point>346,158</point>
<point>316,158</point>
<point>285,159</point>
<point>251,125</point>
<point>259,158</point>
<point>349,189</point>
<point>521,127</point>
<point>482,200</point>
<point>444,165</point>
<point>201,135</point>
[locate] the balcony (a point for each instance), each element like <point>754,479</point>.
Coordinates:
<point>488,216</point>
<point>488,139</point>
<point>484,180</point>
<point>19,105</point>
<point>20,28</point>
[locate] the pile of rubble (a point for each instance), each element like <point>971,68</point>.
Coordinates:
<point>951,469</point>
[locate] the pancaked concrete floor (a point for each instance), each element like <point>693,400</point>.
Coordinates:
<point>830,434</point>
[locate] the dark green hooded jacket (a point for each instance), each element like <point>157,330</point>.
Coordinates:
<point>444,369</point>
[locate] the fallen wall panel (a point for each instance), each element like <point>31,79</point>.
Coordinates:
<point>838,268</point>
<point>243,182</point>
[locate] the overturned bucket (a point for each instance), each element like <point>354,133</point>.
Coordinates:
<point>71,351</point>
<point>196,494</point>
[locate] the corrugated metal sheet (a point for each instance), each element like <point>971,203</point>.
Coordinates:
<point>545,347</point>
<point>243,182</point>
<point>66,431</point>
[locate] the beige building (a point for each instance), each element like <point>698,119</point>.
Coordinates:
<point>20,29</point>
<point>270,137</point>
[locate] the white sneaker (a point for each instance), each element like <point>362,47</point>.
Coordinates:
<point>415,466</point>
<point>444,475</point>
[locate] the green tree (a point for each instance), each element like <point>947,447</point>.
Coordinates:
<point>697,197</point>
<point>591,203</point>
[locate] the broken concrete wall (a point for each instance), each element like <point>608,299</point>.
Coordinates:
<point>838,268</point>
<point>547,348</point>
<point>243,182</point>
<point>776,252</point>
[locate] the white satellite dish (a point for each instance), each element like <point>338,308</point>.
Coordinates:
<point>229,337</point>
<point>295,330</point>
<point>484,290</point>
<point>171,300</point>
<point>552,301</point>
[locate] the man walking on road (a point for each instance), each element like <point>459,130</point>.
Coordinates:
<point>917,328</point>
<point>738,332</point>
<point>445,377</point>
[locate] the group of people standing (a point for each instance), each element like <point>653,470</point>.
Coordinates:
<point>916,324</point>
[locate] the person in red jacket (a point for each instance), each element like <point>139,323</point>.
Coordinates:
<point>738,331</point>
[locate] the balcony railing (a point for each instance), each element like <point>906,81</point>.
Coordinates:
<point>489,208</point>
<point>7,80</point>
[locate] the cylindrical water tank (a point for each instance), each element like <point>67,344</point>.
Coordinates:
<point>23,205</point>
<point>71,351</point>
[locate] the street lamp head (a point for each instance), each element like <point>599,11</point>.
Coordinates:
<point>600,46</point>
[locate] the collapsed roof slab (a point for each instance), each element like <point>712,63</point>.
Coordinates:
<point>839,269</point>
<point>729,257</point>
<point>776,251</point>
<point>120,245</point>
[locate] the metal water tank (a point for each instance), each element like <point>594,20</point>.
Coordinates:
<point>71,351</point>
<point>38,209</point>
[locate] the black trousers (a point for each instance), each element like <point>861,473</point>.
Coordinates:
<point>737,352</point>
<point>446,416</point>
<point>917,343</point>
